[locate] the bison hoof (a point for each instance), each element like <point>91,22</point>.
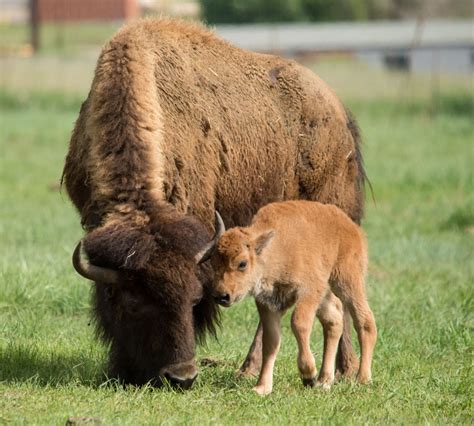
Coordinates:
<point>251,370</point>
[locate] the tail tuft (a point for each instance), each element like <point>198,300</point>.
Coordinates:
<point>362,177</point>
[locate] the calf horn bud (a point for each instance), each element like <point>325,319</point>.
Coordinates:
<point>206,252</point>
<point>92,272</point>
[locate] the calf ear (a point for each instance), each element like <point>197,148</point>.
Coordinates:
<point>262,240</point>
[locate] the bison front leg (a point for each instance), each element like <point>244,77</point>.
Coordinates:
<point>253,361</point>
<point>346,359</point>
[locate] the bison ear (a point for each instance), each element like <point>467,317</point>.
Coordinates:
<point>263,240</point>
<point>119,247</point>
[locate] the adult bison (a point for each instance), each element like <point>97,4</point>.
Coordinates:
<point>177,124</point>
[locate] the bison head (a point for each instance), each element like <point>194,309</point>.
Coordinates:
<point>152,297</point>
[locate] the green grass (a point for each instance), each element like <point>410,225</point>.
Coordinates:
<point>58,37</point>
<point>419,159</point>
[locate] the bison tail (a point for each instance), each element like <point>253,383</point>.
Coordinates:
<point>362,177</point>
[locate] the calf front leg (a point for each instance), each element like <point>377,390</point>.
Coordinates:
<point>302,325</point>
<point>270,321</point>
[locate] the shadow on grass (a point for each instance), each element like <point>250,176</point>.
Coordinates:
<point>26,364</point>
<point>222,374</point>
<point>454,104</point>
<point>461,219</point>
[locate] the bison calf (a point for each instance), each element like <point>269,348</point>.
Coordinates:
<point>303,253</point>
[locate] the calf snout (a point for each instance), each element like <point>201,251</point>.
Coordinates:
<point>180,375</point>
<point>222,299</point>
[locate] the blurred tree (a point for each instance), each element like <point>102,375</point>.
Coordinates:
<point>398,9</point>
<point>340,10</point>
<point>241,11</point>
<point>322,10</point>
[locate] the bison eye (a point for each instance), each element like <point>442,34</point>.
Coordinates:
<point>242,265</point>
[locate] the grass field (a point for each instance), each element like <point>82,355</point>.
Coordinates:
<point>419,158</point>
<point>65,38</point>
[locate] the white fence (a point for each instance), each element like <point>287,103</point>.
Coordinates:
<point>444,45</point>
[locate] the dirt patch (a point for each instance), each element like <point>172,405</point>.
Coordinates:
<point>210,362</point>
<point>83,420</point>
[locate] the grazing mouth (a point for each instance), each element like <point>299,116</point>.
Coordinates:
<point>180,375</point>
<point>179,383</point>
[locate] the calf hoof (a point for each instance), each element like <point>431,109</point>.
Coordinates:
<point>309,382</point>
<point>364,379</point>
<point>324,385</point>
<point>262,390</point>
<point>325,381</point>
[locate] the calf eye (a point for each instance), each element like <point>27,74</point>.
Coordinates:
<point>243,265</point>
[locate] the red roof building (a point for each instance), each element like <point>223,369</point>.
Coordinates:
<point>87,10</point>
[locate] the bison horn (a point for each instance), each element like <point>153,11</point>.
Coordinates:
<point>206,252</point>
<point>92,272</point>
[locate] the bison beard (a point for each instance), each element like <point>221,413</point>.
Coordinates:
<point>148,270</point>
<point>179,124</point>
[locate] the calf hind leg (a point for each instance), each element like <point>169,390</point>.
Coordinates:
<point>302,324</point>
<point>352,294</point>
<point>364,323</point>
<point>330,314</point>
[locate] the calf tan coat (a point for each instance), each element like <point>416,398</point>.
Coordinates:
<point>304,254</point>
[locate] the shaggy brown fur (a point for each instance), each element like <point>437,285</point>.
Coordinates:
<point>180,122</point>
<point>303,253</point>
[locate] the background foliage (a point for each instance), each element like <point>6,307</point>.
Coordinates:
<point>251,11</point>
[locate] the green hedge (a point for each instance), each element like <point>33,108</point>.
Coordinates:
<point>251,11</point>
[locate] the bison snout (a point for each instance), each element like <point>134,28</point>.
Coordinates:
<point>180,383</point>
<point>222,299</point>
<point>180,375</point>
